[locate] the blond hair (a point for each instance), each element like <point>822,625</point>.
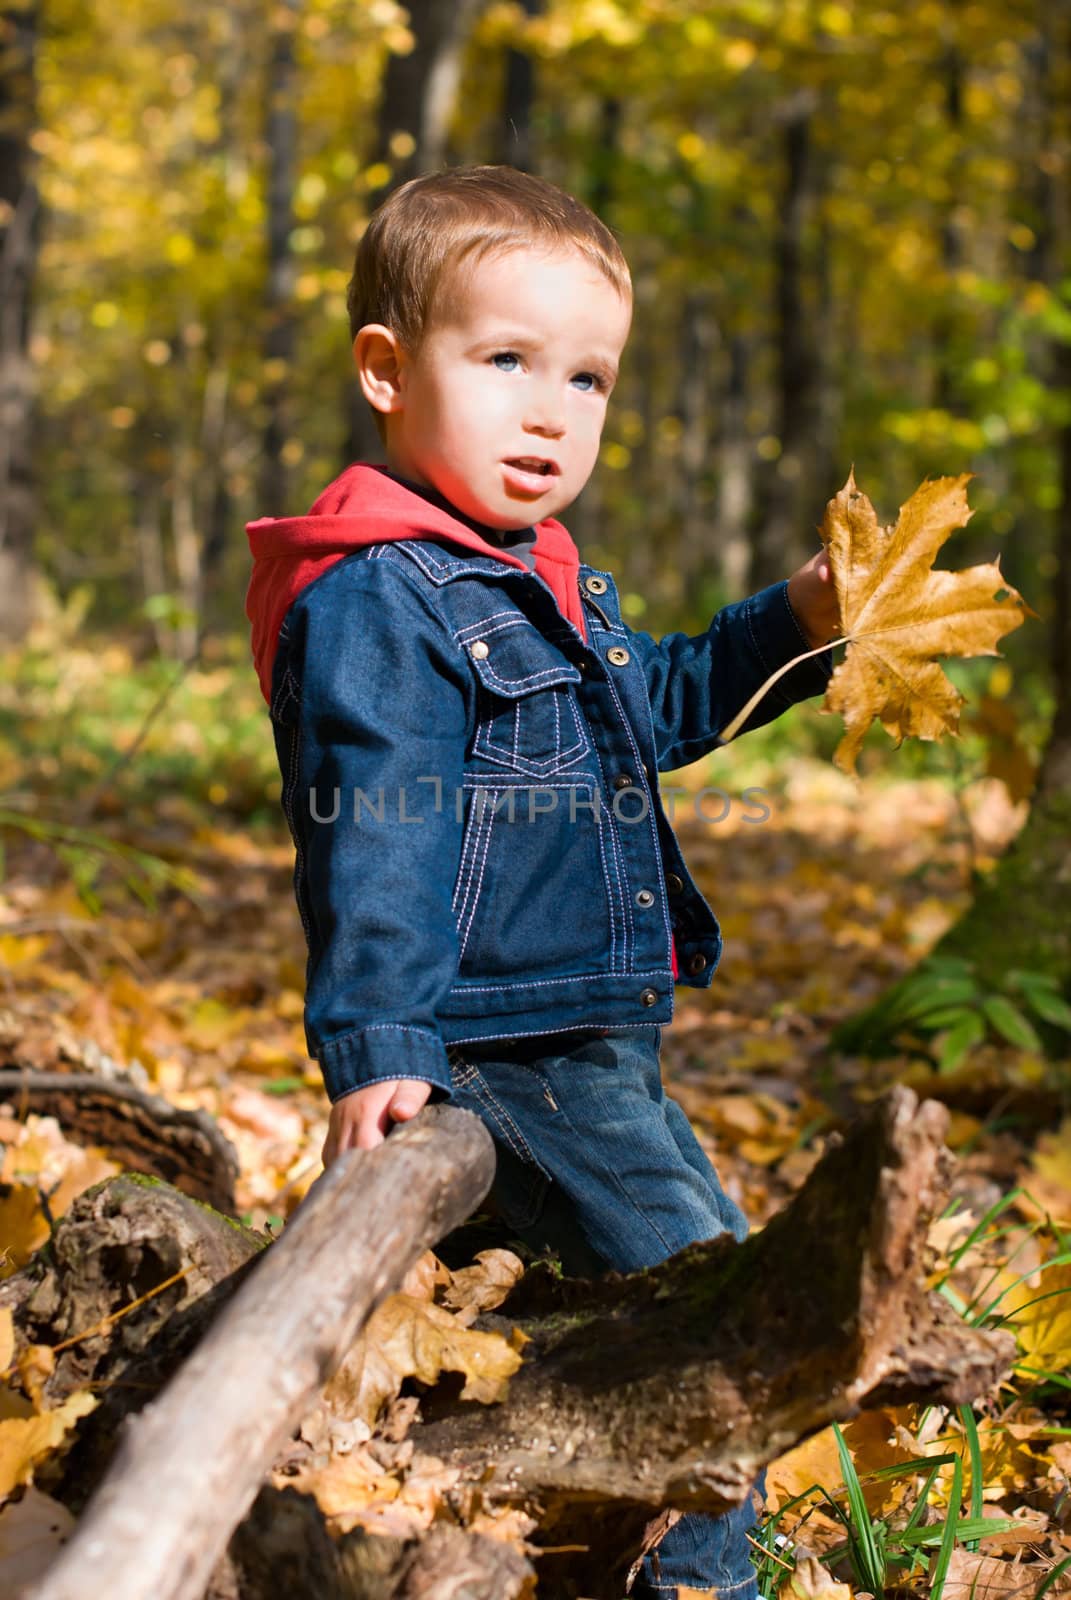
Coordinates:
<point>437,222</point>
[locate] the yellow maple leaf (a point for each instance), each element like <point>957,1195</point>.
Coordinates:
<point>23,1226</point>
<point>1042,1317</point>
<point>410,1338</point>
<point>899,615</point>
<point>24,1440</point>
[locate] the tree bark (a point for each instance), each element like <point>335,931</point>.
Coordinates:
<point>515,127</point>
<point>416,109</point>
<point>20,213</point>
<point>670,1387</point>
<point>281,140</point>
<point>143,1131</point>
<point>195,1457</point>
<point>675,1386</point>
<point>782,540</point>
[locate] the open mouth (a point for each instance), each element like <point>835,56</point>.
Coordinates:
<point>545,469</point>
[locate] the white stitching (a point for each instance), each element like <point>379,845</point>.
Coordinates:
<point>479,882</point>
<point>469,847</point>
<point>484,819</point>
<point>547,983</point>
<point>652,825</point>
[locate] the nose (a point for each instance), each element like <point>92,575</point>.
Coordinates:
<point>545,414</point>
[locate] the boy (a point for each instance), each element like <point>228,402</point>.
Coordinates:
<point>495,905</point>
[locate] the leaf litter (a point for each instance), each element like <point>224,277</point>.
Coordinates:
<point>844,886</point>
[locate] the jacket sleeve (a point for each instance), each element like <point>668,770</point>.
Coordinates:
<point>379,753</point>
<point>696,684</point>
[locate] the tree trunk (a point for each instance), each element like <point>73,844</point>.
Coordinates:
<point>415,112</point>
<point>515,128</point>
<point>281,139</point>
<point>947,396</point>
<point>666,1387</point>
<point>782,542</point>
<point>195,1457</point>
<point>697,539</point>
<point>735,459</point>
<point>20,213</point>
<point>1018,918</point>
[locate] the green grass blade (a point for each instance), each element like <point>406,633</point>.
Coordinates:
<point>1050,1578</point>
<point>948,1533</point>
<point>974,1445</point>
<point>871,1564</point>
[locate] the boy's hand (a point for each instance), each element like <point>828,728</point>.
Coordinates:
<point>812,595</point>
<point>361,1120</point>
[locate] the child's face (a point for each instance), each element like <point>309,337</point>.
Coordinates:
<point>516,367</point>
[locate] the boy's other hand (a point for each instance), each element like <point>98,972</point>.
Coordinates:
<point>361,1120</point>
<point>812,595</point>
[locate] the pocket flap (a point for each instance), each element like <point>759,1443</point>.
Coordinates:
<point>514,659</point>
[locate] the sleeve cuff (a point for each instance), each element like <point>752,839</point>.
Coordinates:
<point>380,1052</point>
<point>776,637</point>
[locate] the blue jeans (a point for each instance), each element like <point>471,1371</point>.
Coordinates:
<point>598,1163</point>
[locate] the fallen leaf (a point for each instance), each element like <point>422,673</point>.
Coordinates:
<point>410,1338</point>
<point>899,616</point>
<point>23,1441</point>
<point>810,1580</point>
<point>484,1285</point>
<point>32,1532</point>
<point>23,1227</point>
<point>973,1576</point>
<point>1043,1321</point>
<point>875,1440</point>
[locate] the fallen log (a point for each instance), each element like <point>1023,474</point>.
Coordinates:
<point>194,1458</point>
<point>674,1387</point>
<point>142,1131</point>
<point>665,1388</point>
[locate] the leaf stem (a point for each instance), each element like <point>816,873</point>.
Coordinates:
<point>733,727</point>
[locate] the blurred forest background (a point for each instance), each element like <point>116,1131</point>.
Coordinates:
<point>849,226</point>
<point>847,222</point>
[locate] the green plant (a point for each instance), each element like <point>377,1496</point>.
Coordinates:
<point>946,1007</point>
<point>881,1555</point>
<point>86,853</point>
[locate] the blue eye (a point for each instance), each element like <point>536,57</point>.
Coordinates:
<point>506,355</point>
<point>587,380</point>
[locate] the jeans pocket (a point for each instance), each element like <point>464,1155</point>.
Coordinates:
<point>521,1181</point>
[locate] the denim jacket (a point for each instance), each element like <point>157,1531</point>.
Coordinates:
<point>481,849</point>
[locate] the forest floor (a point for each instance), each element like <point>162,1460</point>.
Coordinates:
<point>197,995</point>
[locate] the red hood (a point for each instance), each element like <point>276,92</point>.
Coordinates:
<point>366,506</point>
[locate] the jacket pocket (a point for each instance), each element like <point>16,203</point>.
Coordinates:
<point>532,895</point>
<point>527,717</point>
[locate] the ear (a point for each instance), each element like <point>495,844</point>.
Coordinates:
<point>380,360</point>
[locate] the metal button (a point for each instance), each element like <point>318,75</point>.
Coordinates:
<point>480,648</point>
<point>644,897</point>
<point>674,884</point>
<point>623,780</point>
<point>596,585</point>
<point>649,997</point>
<point>617,655</point>
<point>696,963</point>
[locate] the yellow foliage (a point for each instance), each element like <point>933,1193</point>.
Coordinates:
<point>23,1441</point>
<point>899,615</point>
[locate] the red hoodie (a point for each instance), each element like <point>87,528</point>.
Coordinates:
<point>364,505</point>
